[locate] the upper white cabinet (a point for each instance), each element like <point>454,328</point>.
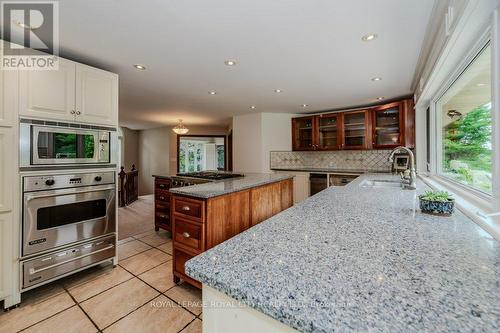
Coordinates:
<point>49,93</point>
<point>96,100</point>
<point>8,97</point>
<point>74,92</point>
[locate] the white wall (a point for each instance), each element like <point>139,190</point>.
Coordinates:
<point>247,143</point>
<point>153,157</point>
<point>255,135</point>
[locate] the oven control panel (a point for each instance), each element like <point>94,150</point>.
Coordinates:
<point>49,182</point>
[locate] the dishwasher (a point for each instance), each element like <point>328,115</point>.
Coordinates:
<point>318,182</point>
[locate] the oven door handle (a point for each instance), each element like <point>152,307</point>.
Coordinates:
<point>34,271</point>
<point>30,197</point>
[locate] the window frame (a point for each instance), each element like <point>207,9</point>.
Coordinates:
<point>435,137</point>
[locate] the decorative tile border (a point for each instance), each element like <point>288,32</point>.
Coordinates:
<point>375,160</point>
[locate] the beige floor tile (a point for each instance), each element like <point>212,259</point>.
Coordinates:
<point>125,240</point>
<point>144,234</point>
<point>160,277</point>
<point>145,261</point>
<point>156,239</point>
<point>101,283</point>
<point>68,321</point>
<point>187,296</point>
<point>42,293</point>
<point>194,327</point>
<point>159,315</point>
<point>131,248</point>
<point>115,303</point>
<point>167,247</point>
<point>34,310</point>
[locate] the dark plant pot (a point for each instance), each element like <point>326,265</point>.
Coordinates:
<point>437,207</point>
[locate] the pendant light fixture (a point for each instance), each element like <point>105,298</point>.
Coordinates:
<point>180,128</point>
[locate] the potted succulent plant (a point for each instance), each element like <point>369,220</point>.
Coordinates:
<point>437,203</point>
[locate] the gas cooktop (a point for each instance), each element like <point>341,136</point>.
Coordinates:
<point>211,175</point>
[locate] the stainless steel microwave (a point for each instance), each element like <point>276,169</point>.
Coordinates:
<point>57,144</point>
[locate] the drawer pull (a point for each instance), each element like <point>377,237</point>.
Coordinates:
<point>162,198</point>
<point>162,185</point>
<point>186,208</point>
<point>163,216</point>
<point>186,234</point>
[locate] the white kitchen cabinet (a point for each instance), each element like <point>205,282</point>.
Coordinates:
<point>8,97</point>
<point>49,93</point>
<point>96,96</point>
<point>74,92</point>
<point>301,189</point>
<point>7,172</point>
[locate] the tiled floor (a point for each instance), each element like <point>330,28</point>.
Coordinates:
<point>136,296</point>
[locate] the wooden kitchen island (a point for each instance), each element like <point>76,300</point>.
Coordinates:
<point>205,215</point>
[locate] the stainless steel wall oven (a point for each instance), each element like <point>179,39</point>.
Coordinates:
<point>62,211</point>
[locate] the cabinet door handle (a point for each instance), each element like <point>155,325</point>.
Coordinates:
<point>186,208</point>
<point>78,113</point>
<point>72,112</point>
<point>186,234</point>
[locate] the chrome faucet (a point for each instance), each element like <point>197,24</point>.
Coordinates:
<point>409,181</point>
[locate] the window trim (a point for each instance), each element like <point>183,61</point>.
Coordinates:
<point>484,198</point>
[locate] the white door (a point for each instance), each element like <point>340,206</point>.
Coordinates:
<point>96,96</point>
<point>49,93</point>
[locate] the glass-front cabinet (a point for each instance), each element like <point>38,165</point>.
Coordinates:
<point>304,133</point>
<point>379,127</point>
<point>355,130</point>
<point>329,131</point>
<point>388,127</point>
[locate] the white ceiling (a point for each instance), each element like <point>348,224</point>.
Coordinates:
<point>311,49</point>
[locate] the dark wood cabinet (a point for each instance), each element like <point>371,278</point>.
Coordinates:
<point>356,130</point>
<point>209,222</point>
<point>304,133</point>
<point>329,131</point>
<point>388,125</point>
<point>380,127</point>
<point>162,204</point>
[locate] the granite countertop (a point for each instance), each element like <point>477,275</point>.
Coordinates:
<point>328,170</point>
<point>362,259</point>
<point>226,186</point>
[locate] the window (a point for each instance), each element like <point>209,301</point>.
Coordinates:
<point>200,153</point>
<point>463,117</point>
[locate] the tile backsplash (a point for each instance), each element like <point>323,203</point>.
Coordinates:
<point>375,160</point>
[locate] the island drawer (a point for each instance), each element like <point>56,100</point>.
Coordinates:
<point>180,258</point>
<point>162,184</point>
<point>188,234</point>
<point>189,208</point>
<point>162,195</point>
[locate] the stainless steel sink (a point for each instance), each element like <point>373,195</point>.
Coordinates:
<point>380,183</point>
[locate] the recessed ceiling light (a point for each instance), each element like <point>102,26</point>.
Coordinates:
<point>23,25</point>
<point>141,67</point>
<point>230,62</point>
<point>253,107</point>
<point>277,90</point>
<point>377,78</point>
<point>305,105</point>
<point>380,98</point>
<point>211,92</point>
<point>369,37</point>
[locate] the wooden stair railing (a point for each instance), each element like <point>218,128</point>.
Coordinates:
<point>128,191</point>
